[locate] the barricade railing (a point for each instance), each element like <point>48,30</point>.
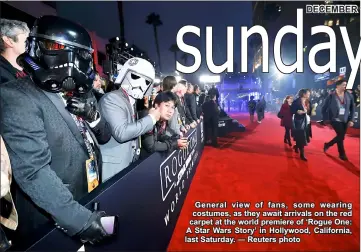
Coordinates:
<point>147,197</point>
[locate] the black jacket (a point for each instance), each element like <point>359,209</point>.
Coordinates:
<point>210,111</point>
<point>202,99</point>
<point>156,140</point>
<point>261,106</point>
<point>48,156</point>
<point>252,106</point>
<point>214,91</point>
<point>198,105</point>
<point>330,109</point>
<point>191,104</point>
<point>183,111</point>
<point>8,72</point>
<point>299,121</point>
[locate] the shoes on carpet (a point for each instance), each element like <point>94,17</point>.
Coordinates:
<point>295,148</point>
<point>325,147</point>
<point>343,157</point>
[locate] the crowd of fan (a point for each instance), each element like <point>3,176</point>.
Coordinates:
<point>47,139</point>
<point>318,96</point>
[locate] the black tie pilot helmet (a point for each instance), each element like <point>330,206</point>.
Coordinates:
<point>59,56</point>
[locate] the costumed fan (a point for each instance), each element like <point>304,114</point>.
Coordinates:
<point>54,154</point>
<point>135,78</point>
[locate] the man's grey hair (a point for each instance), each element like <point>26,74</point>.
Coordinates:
<point>11,29</point>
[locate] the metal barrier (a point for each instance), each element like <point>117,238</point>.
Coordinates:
<point>147,197</point>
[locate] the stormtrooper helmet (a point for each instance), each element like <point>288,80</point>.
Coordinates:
<point>136,76</point>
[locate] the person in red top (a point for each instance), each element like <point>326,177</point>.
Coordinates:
<point>286,118</point>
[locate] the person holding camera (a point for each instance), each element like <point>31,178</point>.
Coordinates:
<point>157,140</point>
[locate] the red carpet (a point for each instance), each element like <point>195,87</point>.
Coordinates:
<point>256,166</point>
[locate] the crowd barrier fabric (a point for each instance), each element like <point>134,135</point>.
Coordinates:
<point>148,199</point>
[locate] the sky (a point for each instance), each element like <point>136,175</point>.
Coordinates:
<point>102,17</point>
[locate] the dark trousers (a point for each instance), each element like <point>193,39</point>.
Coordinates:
<point>287,134</point>
<point>251,115</point>
<point>260,115</point>
<point>340,128</point>
<point>211,130</point>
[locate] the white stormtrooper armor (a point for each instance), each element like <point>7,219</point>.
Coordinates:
<point>136,76</point>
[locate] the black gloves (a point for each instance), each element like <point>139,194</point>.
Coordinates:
<point>94,231</point>
<point>83,108</point>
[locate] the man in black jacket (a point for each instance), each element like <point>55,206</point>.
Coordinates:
<point>191,104</point>
<point>180,121</point>
<point>251,108</point>
<point>211,118</point>
<point>214,91</point>
<point>13,35</point>
<point>157,140</point>
<point>339,109</point>
<point>199,102</point>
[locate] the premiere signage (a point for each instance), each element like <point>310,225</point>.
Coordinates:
<point>342,71</point>
<point>147,198</point>
<point>175,171</point>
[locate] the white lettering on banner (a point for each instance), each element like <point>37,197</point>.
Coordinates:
<point>297,66</point>
<point>175,170</point>
<point>202,136</point>
<point>342,71</point>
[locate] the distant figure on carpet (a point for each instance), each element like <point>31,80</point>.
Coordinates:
<point>211,116</point>
<point>252,108</point>
<point>214,91</point>
<point>260,108</point>
<point>285,115</point>
<point>197,95</point>
<point>301,111</point>
<point>339,108</point>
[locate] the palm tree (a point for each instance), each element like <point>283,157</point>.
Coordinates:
<point>121,22</point>
<point>154,20</point>
<point>174,49</point>
<point>185,58</point>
